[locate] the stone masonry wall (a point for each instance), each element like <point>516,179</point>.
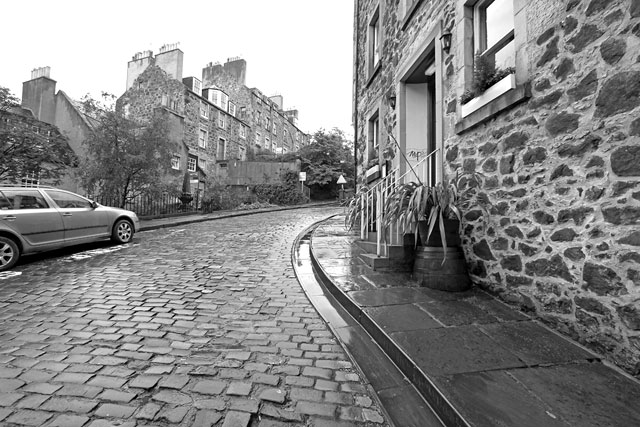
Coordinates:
<point>561,236</point>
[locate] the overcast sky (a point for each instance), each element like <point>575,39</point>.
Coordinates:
<point>301,49</point>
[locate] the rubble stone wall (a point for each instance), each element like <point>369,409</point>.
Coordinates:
<point>560,234</point>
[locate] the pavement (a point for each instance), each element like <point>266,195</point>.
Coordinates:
<point>476,361</point>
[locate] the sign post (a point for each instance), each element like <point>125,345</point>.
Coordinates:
<point>342,182</point>
<point>303,178</point>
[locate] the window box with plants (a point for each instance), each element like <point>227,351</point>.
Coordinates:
<point>373,170</point>
<point>489,82</point>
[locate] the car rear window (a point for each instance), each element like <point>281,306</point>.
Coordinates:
<point>22,199</point>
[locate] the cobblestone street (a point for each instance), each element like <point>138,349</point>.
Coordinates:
<point>198,325</point>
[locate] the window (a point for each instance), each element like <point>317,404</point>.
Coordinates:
<point>267,123</point>
<point>222,118</point>
<point>22,199</point>
<point>258,139</point>
<point>224,99</point>
<point>175,162</point>
<point>243,112</point>
<point>68,200</point>
<point>232,109</point>
<point>204,110</point>
<point>243,132</point>
<point>213,94</point>
<point>203,164</point>
<point>221,153</point>
<point>493,36</point>
<point>197,86</point>
<point>191,164</point>
<point>242,153</point>
<point>494,32</point>
<point>202,138</point>
<point>275,129</point>
<point>373,139</point>
<point>373,42</point>
<point>267,143</point>
<point>407,8</point>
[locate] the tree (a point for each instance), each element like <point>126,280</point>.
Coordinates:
<point>325,159</point>
<point>29,147</point>
<point>125,157</point>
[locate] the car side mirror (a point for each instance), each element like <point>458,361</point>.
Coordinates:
<point>94,205</point>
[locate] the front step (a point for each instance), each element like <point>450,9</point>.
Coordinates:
<point>398,258</point>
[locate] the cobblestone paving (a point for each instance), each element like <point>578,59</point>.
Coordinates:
<point>199,325</point>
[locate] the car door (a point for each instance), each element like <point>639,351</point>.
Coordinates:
<point>82,222</point>
<point>28,213</point>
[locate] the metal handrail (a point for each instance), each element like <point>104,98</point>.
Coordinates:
<point>378,194</point>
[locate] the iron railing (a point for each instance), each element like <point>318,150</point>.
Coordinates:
<point>372,204</point>
<point>153,205</point>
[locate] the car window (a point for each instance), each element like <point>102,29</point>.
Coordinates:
<point>66,200</point>
<point>22,199</point>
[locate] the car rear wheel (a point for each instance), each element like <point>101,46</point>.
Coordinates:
<point>122,231</point>
<point>9,253</point>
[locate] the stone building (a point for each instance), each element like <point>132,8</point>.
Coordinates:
<point>216,119</point>
<point>555,131</point>
<point>39,96</point>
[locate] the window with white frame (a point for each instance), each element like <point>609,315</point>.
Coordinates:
<point>204,110</point>
<point>493,24</point>
<point>214,96</point>
<point>243,132</point>
<point>232,109</point>
<point>373,137</point>
<point>242,153</point>
<point>492,36</point>
<point>191,164</point>
<point>258,139</point>
<point>373,42</point>
<point>275,129</point>
<point>175,162</point>
<point>202,163</point>
<point>243,112</point>
<point>222,119</point>
<point>221,152</point>
<point>267,143</point>
<point>224,100</point>
<point>202,138</point>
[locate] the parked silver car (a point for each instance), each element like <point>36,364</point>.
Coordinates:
<point>44,218</point>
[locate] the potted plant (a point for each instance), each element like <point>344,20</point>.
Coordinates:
<point>355,207</point>
<point>434,215</point>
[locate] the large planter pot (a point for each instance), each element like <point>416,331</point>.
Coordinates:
<point>438,267</point>
<point>451,232</point>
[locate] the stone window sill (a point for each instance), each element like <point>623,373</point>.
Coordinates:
<point>493,107</point>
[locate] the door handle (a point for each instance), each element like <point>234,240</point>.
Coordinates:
<point>67,214</point>
<point>9,218</point>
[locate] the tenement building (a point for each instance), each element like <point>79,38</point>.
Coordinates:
<point>57,109</point>
<point>542,98</point>
<point>215,119</point>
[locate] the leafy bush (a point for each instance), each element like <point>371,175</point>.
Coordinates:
<point>284,193</point>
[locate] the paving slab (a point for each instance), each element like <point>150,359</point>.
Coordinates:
<point>478,361</point>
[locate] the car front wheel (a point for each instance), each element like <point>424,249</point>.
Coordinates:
<point>9,253</point>
<point>122,231</point>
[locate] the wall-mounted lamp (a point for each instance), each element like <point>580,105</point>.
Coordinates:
<point>445,40</point>
<point>392,100</point>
